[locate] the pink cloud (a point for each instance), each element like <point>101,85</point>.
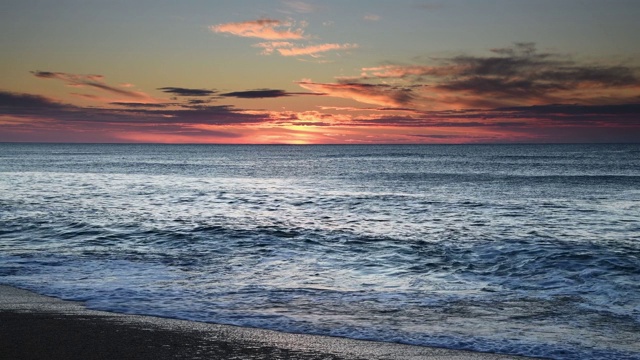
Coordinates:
<point>314,49</point>
<point>286,48</point>
<point>278,32</point>
<point>270,46</point>
<point>268,29</point>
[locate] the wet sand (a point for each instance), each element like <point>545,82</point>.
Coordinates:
<point>33,326</point>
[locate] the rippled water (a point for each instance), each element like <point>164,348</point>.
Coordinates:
<point>521,249</point>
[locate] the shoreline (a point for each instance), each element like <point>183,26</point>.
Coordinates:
<point>34,326</point>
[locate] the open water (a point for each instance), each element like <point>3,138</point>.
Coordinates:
<point>518,249</point>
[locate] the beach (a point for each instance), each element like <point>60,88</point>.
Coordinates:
<point>33,326</point>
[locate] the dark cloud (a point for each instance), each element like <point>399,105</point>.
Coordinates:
<point>611,76</point>
<point>572,109</point>
<point>501,86</point>
<point>570,115</point>
<point>44,74</point>
<point>27,105</point>
<point>625,116</point>
<point>11,100</point>
<point>257,94</point>
<point>178,91</point>
<point>198,101</point>
<point>140,105</point>
<point>520,74</point>
<point>263,93</point>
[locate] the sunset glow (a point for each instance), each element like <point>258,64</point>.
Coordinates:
<point>305,72</point>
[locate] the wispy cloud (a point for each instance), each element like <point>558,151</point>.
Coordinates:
<point>270,46</point>
<point>278,32</point>
<point>378,94</point>
<point>372,17</point>
<point>178,91</point>
<point>286,48</point>
<point>267,29</point>
<point>314,49</point>
<point>95,82</point>
<point>301,7</point>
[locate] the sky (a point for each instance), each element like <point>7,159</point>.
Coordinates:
<point>320,72</point>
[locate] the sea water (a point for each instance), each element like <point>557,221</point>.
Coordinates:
<point>516,249</point>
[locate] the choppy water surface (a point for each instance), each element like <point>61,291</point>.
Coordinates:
<point>520,249</point>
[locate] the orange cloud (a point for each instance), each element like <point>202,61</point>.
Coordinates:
<point>268,29</point>
<point>377,94</point>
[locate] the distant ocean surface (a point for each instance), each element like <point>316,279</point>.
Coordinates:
<point>517,249</point>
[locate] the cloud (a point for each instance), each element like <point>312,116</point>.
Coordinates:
<point>512,76</point>
<point>178,91</point>
<point>522,72</point>
<point>256,94</point>
<point>94,82</point>
<point>263,93</point>
<point>314,49</point>
<point>415,72</point>
<point>573,109</point>
<point>198,101</point>
<point>23,114</point>
<point>76,80</point>
<point>377,94</point>
<point>625,116</point>
<point>139,105</point>
<point>270,46</point>
<point>372,17</point>
<point>286,48</point>
<point>268,29</point>
<point>278,32</point>
<point>300,6</point>
<point>11,100</point>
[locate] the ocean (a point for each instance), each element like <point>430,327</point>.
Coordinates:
<point>517,249</point>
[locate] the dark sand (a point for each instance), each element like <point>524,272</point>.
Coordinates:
<point>39,327</point>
